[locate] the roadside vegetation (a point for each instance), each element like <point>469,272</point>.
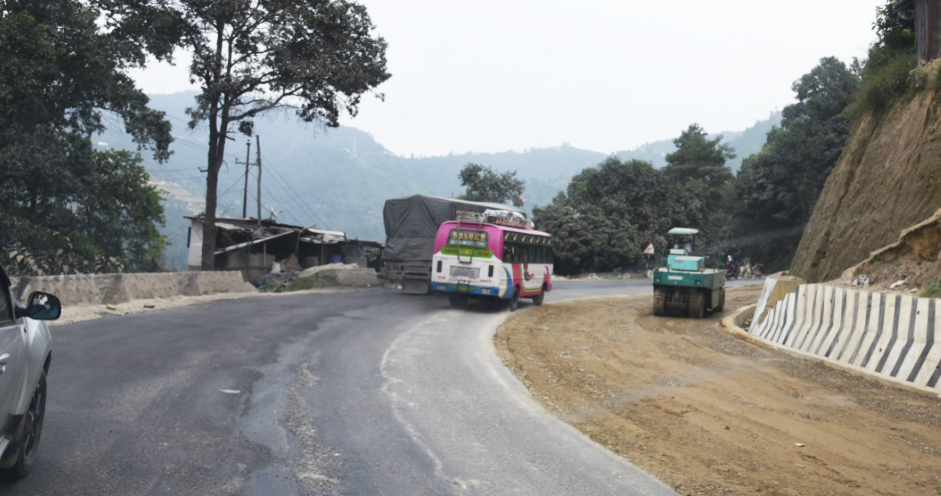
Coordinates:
<point>68,205</point>
<point>485,185</point>
<point>65,207</point>
<point>932,290</point>
<point>887,74</point>
<point>307,282</point>
<point>610,212</point>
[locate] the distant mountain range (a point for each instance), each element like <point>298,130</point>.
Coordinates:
<point>340,178</point>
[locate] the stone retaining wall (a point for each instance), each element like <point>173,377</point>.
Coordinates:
<point>92,289</point>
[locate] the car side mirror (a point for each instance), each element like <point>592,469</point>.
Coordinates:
<point>43,306</point>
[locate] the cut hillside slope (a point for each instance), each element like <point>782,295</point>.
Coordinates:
<point>888,178</point>
<point>915,258</point>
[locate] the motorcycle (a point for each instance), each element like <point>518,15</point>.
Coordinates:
<point>731,270</point>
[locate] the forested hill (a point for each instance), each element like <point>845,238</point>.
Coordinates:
<point>340,178</point>
<point>744,142</point>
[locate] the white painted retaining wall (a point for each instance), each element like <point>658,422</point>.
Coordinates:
<point>92,289</point>
<point>890,336</point>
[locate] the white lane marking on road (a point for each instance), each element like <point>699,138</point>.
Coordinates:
<point>409,428</point>
<point>230,391</point>
<point>479,353</point>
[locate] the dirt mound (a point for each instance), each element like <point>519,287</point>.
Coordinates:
<point>915,258</point>
<point>887,178</point>
<point>708,413</point>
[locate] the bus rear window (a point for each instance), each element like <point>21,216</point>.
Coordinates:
<point>462,237</point>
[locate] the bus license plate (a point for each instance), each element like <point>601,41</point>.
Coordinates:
<point>464,272</point>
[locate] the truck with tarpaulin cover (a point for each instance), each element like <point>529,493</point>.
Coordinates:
<point>411,225</point>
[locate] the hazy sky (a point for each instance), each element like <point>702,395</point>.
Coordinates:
<point>491,76</point>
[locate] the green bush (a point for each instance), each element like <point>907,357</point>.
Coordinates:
<point>886,74</point>
<point>884,85</point>
<point>304,283</point>
<point>933,290</point>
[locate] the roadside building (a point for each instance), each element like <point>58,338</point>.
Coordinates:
<point>253,249</point>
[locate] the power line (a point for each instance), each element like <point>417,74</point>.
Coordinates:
<point>283,183</point>
<point>285,209</point>
<point>233,184</point>
<point>177,118</point>
<point>280,179</point>
<point>174,233</point>
<point>300,204</point>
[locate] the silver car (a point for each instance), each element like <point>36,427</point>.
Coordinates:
<point>25,351</point>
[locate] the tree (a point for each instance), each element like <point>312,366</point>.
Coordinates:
<point>611,212</point>
<point>698,164</point>
<point>250,57</point>
<point>698,158</point>
<point>887,73</point>
<point>485,185</point>
<point>120,213</point>
<point>60,74</point>
<point>109,225</point>
<point>585,238</point>
<point>780,185</point>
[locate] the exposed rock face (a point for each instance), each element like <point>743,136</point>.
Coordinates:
<point>914,258</point>
<point>888,178</point>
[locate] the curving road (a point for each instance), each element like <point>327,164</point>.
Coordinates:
<point>370,392</point>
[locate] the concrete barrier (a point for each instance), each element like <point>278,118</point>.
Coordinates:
<point>92,289</point>
<point>891,337</point>
<point>776,287</point>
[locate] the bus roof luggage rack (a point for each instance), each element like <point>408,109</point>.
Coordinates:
<point>492,218</point>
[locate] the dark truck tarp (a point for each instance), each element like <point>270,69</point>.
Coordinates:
<point>412,223</point>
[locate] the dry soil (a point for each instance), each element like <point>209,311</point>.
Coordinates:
<point>708,413</point>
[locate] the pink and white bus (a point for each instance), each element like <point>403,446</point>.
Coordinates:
<point>491,257</point>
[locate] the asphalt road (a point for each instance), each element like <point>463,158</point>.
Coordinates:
<point>361,393</point>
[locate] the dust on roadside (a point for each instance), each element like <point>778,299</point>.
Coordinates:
<point>708,413</point>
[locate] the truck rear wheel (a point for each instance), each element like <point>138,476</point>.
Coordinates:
<point>696,304</point>
<point>659,302</point>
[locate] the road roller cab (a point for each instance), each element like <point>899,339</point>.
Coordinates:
<point>685,287</point>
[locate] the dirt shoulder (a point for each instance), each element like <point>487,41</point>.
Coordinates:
<point>708,413</point>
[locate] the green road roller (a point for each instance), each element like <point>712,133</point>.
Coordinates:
<point>685,287</point>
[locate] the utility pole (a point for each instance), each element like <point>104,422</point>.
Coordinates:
<point>248,151</point>
<point>258,162</point>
